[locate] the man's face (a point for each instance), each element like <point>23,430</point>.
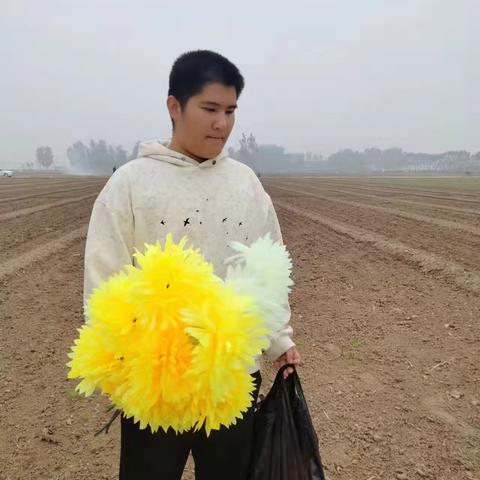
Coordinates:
<point>204,124</point>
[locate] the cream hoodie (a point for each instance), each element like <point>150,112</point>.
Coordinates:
<point>163,191</point>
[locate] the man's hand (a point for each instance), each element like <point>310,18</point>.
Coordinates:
<point>291,356</point>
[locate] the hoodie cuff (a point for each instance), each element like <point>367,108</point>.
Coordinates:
<point>279,346</point>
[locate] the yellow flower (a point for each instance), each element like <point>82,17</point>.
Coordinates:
<point>169,343</point>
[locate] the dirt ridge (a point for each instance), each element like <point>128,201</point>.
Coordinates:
<point>392,211</point>
<point>429,262</point>
<point>9,267</point>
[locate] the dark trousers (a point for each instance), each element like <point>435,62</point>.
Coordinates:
<point>225,454</point>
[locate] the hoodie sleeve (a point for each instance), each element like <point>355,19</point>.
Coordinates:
<point>281,341</point>
<point>110,236</point>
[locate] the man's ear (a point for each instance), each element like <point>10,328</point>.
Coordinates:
<point>174,108</point>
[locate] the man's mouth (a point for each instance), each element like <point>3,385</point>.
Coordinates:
<point>216,138</point>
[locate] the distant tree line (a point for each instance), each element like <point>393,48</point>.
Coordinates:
<point>98,157</point>
<point>274,159</point>
<point>94,157</point>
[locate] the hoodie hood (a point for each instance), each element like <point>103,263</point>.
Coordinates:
<point>158,150</point>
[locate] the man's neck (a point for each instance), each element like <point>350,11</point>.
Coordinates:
<point>177,147</point>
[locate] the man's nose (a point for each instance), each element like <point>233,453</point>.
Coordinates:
<point>220,121</point>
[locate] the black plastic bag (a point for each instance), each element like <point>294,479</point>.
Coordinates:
<point>285,442</point>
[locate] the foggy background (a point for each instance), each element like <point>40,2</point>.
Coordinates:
<point>321,76</point>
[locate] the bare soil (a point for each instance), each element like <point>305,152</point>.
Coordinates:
<point>386,310</point>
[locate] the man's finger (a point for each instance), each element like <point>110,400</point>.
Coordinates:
<point>294,358</point>
<point>280,363</point>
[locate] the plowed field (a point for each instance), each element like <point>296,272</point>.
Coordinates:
<point>386,311</point>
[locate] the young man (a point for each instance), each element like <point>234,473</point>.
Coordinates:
<point>187,186</point>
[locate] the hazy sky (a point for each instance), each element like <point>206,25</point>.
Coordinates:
<point>320,75</point>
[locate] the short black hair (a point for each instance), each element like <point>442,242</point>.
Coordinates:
<point>192,71</point>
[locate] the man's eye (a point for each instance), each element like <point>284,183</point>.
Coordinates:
<point>209,109</point>
<point>231,112</point>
